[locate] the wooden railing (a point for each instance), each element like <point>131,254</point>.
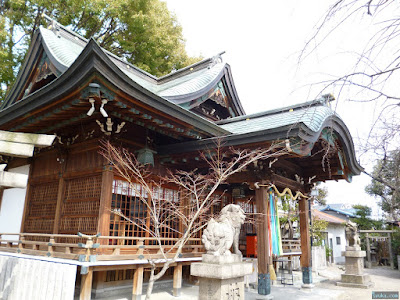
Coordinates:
<point>96,248</point>
<point>291,246</point>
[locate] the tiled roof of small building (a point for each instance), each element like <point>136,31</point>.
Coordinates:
<point>326,217</point>
<point>342,208</point>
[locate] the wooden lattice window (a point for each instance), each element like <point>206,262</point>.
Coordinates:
<point>129,199</point>
<point>248,227</point>
<point>80,208</point>
<point>83,188</point>
<point>44,193</point>
<point>168,218</point>
<point>42,208</point>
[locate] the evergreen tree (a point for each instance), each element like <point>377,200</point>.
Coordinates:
<point>387,170</point>
<point>144,32</point>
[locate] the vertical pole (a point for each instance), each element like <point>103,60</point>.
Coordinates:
<point>390,251</point>
<point>99,278</point>
<point>137,284</point>
<point>177,285</point>
<point>105,203</point>
<point>60,197</point>
<point>305,259</point>
<point>264,280</point>
<point>86,285</point>
<point>27,198</point>
<point>1,196</point>
<point>369,264</point>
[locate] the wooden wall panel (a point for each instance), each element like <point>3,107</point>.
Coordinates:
<point>46,164</point>
<point>84,161</point>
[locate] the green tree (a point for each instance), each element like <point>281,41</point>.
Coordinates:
<point>144,32</point>
<point>385,184</point>
<point>322,194</point>
<point>318,231</point>
<point>363,219</point>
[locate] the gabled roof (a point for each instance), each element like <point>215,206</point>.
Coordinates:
<point>341,208</point>
<point>63,47</point>
<point>306,120</point>
<point>77,62</point>
<point>93,60</point>
<point>326,217</point>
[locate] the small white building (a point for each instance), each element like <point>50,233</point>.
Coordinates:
<point>335,235</point>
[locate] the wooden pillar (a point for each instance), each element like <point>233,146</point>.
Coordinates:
<point>27,198</point>
<point>60,198</point>
<point>137,284</point>
<point>177,285</point>
<point>390,251</point>
<point>369,263</point>
<point>305,259</point>
<point>99,278</point>
<point>86,285</point>
<point>263,255</point>
<point>105,203</point>
<point>1,196</point>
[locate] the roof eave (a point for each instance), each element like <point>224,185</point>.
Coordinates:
<point>91,60</point>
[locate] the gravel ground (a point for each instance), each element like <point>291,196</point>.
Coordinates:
<point>384,279</point>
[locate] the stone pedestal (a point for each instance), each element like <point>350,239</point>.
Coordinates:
<point>354,277</point>
<point>221,277</point>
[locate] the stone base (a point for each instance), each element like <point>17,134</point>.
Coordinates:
<point>356,281</point>
<point>355,285</point>
<point>307,286</point>
<point>264,284</point>
<point>307,275</point>
<point>221,267</point>
<point>221,277</point>
<point>218,289</point>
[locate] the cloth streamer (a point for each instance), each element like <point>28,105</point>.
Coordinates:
<point>274,231</point>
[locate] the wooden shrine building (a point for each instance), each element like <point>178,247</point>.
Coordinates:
<point>70,87</point>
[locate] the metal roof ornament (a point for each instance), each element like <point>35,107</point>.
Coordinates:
<point>217,59</point>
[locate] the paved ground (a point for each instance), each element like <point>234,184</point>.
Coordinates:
<point>325,287</point>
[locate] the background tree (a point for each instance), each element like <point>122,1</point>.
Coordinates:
<point>318,231</point>
<point>197,186</point>
<point>385,184</point>
<point>373,76</point>
<point>322,194</point>
<point>363,218</point>
<point>143,32</point>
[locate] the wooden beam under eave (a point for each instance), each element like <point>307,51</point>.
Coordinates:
<point>283,182</point>
<point>13,180</point>
<point>37,140</point>
<point>289,166</point>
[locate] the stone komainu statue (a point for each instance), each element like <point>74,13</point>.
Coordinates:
<point>352,235</point>
<point>220,235</point>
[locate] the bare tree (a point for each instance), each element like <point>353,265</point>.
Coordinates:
<point>197,186</point>
<point>373,77</point>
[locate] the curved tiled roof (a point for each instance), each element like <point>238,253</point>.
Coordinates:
<point>191,83</point>
<point>64,46</point>
<point>312,117</point>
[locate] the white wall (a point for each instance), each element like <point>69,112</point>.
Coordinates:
<point>318,257</point>
<point>12,207</point>
<point>333,232</point>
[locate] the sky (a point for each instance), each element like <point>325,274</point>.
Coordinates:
<point>262,41</point>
